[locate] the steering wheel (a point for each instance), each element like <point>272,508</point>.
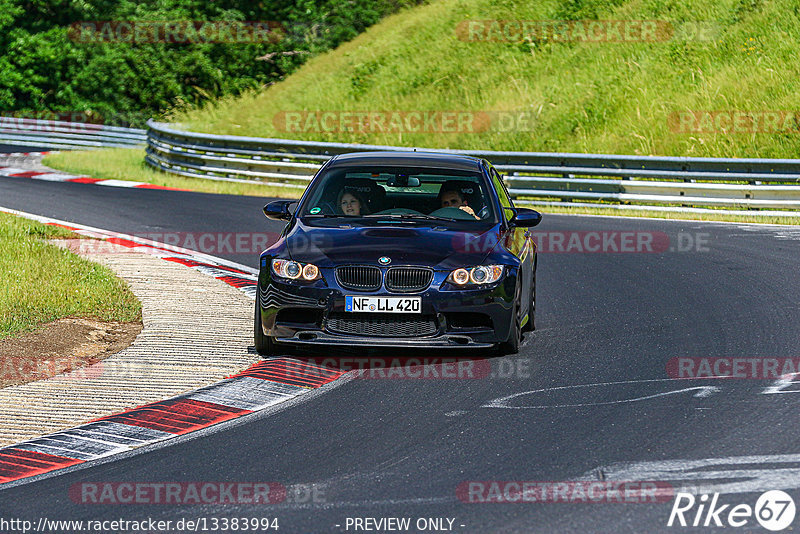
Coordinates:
<point>453,213</point>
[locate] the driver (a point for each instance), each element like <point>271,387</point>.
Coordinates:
<point>452,197</point>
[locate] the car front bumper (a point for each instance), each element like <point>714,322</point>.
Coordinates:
<point>302,314</point>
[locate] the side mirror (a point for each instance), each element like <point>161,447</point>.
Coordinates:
<point>526,217</point>
<point>278,210</point>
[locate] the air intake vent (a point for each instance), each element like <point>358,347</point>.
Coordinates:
<point>408,279</point>
<point>359,277</point>
<point>381,325</point>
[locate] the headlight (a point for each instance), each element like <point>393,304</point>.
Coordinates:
<point>460,276</point>
<point>482,274</point>
<point>310,272</point>
<point>294,270</point>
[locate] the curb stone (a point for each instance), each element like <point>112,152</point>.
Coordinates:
<point>197,332</point>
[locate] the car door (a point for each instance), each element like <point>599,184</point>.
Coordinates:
<point>518,240</point>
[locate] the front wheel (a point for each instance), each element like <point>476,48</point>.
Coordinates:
<point>530,326</point>
<point>511,346</point>
<point>265,345</point>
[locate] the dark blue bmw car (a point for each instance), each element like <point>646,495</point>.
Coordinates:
<point>400,249</point>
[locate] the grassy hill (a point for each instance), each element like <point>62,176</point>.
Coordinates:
<point>577,95</point>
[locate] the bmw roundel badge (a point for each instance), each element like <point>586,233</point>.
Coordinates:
<point>384,260</point>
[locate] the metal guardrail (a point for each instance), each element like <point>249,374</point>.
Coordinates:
<point>67,135</point>
<point>671,183</point>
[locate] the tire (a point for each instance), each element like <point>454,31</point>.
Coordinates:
<point>265,345</point>
<point>530,326</point>
<point>511,346</point>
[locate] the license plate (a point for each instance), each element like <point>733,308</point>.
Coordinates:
<point>354,303</point>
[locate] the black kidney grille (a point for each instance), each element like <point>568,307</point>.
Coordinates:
<point>359,277</point>
<point>408,279</point>
<point>381,325</point>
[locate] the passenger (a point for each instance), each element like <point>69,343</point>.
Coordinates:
<point>453,198</point>
<point>352,203</point>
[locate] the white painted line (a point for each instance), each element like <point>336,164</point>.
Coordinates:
<point>118,183</point>
<point>105,234</point>
<point>247,393</point>
<point>702,392</point>
<point>732,474</point>
<point>81,444</point>
<point>8,171</point>
<point>37,446</point>
<point>53,177</point>
<point>110,429</point>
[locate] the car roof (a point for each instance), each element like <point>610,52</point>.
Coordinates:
<point>437,160</point>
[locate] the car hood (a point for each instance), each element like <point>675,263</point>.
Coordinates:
<point>326,244</point>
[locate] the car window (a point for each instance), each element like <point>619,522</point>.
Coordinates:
<point>360,192</point>
<point>502,193</point>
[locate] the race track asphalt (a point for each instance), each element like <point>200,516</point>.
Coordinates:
<point>599,401</point>
<point>21,148</point>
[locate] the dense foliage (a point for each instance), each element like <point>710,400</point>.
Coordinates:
<point>48,69</point>
<point>721,80</point>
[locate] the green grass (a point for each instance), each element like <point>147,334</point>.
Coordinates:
<point>128,164</point>
<point>597,97</point>
<point>41,282</point>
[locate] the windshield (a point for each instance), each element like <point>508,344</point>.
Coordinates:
<point>402,193</point>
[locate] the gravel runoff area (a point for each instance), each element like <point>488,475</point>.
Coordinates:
<point>197,330</point>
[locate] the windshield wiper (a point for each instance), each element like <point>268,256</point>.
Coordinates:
<point>411,216</point>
